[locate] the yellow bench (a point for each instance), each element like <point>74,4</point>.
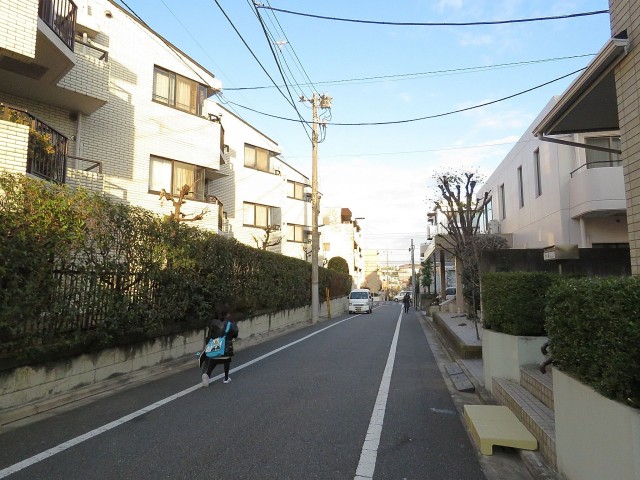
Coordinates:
<point>497,425</point>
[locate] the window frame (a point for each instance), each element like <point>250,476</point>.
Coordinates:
<point>520,187</point>
<point>255,164</point>
<point>294,227</point>
<point>296,184</point>
<point>199,174</point>
<point>503,202</point>
<point>537,172</point>
<point>197,95</point>
<point>612,161</point>
<point>270,215</point>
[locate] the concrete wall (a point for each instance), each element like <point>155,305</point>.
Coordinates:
<point>503,355</point>
<point>32,389</point>
<point>596,437</point>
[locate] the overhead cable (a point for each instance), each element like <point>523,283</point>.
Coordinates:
<point>428,117</point>
<point>434,24</point>
<point>432,73</point>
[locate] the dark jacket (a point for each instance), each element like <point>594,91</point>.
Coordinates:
<point>217,328</point>
<point>406,299</point>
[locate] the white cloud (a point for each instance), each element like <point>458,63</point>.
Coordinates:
<point>449,4</point>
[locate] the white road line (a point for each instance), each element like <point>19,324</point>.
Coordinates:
<point>367,463</point>
<point>5,472</point>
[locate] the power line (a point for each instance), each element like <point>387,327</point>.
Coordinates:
<point>435,24</point>
<point>433,73</point>
<point>427,117</point>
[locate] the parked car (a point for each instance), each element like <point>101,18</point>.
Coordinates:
<point>400,296</point>
<point>450,293</point>
<point>360,301</point>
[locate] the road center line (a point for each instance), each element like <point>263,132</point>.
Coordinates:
<point>5,472</point>
<point>367,463</point>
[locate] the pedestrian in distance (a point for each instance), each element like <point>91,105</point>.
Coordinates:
<point>407,302</point>
<point>217,329</point>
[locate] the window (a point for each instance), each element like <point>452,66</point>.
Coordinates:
<point>295,233</point>
<point>486,216</point>
<point>255,215</point>
<point>171,175</point>
<point>537,172</point>
<point>296,190</point>
<point>256,157</point>
<point>177,91</point>
<point>503,206</point>
<point>598,159</point>
<point>520,187</point>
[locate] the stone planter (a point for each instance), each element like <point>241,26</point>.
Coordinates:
<point>596,437</point>
<point>503,355</point>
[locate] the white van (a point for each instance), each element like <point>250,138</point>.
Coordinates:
<point>360,301</point>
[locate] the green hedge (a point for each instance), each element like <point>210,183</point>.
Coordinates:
<point>79,273</point>
<point>513,302</point>
<point>594,328</point>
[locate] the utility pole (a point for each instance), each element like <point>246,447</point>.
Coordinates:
<point>413,277</point>
<point>321,101</point>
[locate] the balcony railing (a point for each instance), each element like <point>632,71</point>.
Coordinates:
<point>47,150</point>
<point>60,16</point>
<point>601,164</point>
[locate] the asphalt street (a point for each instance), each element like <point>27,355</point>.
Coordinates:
<point>355,394</point>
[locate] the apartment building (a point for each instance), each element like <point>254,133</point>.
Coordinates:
<point>342,237</point>
<point>568,189</point>
<point>123,109</point>
<point>605,98</point>
<point>266,201</point>
<point>130,116</point>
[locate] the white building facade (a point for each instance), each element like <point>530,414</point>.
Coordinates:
<point>546,193</point>
<point>342,237</point>
<point>261,194</point>
<point>125,110</point>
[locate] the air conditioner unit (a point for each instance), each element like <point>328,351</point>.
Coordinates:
<point>494,227</point>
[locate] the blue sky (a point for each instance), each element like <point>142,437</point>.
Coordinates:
<point>384,172</point>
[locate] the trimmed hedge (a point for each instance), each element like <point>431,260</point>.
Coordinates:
<point>594,328</point>
<point>79,273</point>
<point>513,302</point>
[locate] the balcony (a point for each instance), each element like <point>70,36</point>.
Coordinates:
<point>51,68</point>
<point>597,190</point>
<point>46,150</point>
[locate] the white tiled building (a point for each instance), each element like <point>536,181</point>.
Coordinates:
<point>260,191</point>
<point>126,106</point>
<point>342,237</point>
<point>546,193</point>
<point>131,115</point>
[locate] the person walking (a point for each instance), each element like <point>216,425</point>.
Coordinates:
<point>217,329</point>
<point>407,302</point>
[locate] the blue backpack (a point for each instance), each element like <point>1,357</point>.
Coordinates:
<point>216,346</point>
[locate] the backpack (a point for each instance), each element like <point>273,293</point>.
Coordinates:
<point>216,346</point>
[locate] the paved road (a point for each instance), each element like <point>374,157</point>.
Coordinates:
<point>357,397</point>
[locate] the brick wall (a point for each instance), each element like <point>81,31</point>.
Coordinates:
<point>625,15</point>
<point>14,139</point>
<point>18,27</point>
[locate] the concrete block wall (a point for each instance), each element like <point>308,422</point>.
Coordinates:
<point>28,390</point>
<point>18,28</point>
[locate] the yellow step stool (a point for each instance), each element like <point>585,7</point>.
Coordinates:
<point>497,425</point>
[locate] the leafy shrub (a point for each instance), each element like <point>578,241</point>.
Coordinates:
<point>513,302</point>
<point>594,328</point>
<point>80,273</point>
<point>338,264</point>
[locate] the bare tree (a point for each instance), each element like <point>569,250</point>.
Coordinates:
<point>177,203</point>
<point>462,208</point>
<point>265,241</point>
